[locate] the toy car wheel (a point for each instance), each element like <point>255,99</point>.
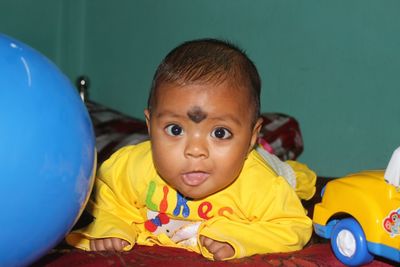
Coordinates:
<point>349,243</point>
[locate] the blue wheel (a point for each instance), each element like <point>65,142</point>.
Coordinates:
<point>349,243</point>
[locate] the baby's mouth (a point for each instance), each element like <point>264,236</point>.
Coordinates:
<point>194,178</point>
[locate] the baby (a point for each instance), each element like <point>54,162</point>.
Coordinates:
<point>199,184</point>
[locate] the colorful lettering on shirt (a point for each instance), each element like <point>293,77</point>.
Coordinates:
<point>164,201</point>
<point>149,196</point>
<point>181,202</point>
<point>204,209</point>
<point>224,209</point>
<point>162,218</point>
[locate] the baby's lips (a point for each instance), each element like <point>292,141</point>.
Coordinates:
<point>194,178</point>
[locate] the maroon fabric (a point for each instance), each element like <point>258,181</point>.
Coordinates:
<point>313,255</point>
<point>280,134</point>
<point>114,129</point>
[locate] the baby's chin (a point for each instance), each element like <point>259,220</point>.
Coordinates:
<point>197,193</point>
<point>193,195</point>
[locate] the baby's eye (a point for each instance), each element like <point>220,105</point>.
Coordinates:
<point>174,130</point>
<point>221,133</point>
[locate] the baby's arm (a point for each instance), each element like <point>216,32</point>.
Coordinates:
<point>274,222</point>
<point>113,209</point>
<point>113,219</point>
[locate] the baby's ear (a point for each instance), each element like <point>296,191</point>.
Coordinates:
<point>147,116</point>
<point>255,133</point>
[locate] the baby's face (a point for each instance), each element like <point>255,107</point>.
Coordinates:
<point>201,135</point>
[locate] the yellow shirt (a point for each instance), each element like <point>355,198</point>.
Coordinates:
<point>258,213</point>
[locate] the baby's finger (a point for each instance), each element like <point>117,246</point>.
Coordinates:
<point>97,245</point>
<point>92,245</point>
<point>224,252</point>
<point>108,244</point>
<point>214,246</point>
<point>205,241</point>
<point>220,250</point>
<point>118,244</point>
<point>125,243</point>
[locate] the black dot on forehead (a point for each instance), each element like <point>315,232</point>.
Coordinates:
<point>196,114</point>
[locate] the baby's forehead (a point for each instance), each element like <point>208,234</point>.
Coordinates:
<point>227,94</point>
<point>217,86</point>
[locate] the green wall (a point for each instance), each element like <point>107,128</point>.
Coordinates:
<point>334,65</point>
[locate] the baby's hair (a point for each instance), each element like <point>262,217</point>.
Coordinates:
<point>208,61</point>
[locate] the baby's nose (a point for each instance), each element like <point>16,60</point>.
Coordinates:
<point>196,147</point>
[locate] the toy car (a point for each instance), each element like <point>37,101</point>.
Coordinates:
<point>360,213</point>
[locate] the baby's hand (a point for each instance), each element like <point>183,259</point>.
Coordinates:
<point>220,250</point>
<point>113,244</point>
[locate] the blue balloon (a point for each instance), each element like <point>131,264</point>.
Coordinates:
<point>47,154</point>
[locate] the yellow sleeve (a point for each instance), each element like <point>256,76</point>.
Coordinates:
<point>276,223</point>
<point>112,205</point>
<point>305,180</point>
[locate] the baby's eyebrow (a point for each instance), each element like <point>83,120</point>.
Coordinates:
<point>227,118</point>
<point>196,114</point>
<point>168,113</point>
